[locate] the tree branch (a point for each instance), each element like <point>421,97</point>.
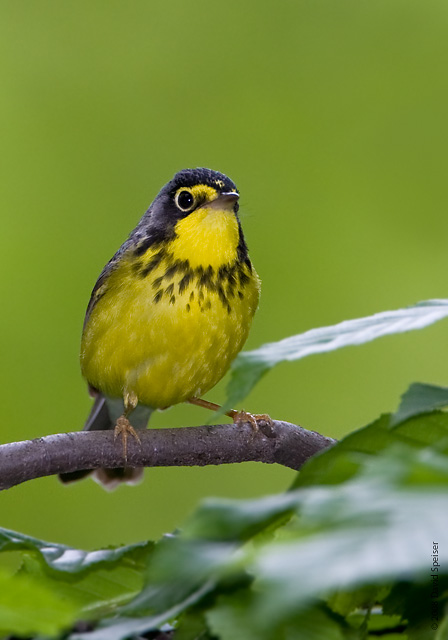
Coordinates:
<point>283,443</point>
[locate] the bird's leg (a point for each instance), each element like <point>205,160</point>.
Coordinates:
<point>123,427</point>
<point>238,417</point>
<point>199,402</point>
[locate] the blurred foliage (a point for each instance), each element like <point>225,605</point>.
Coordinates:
<point>349,555</point>
<point>249,366</point>
<point>331,118</point>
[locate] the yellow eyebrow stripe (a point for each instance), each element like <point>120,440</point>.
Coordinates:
<point>201,192</point>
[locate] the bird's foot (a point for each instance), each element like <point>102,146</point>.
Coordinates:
<point>125,429</point>
<point>240,417</point>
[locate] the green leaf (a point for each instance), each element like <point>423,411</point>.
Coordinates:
<point>369,530</point>
<point>250,366</point>
<point>344,459</point>
<point>420,398</point>
<point>28,607</point>
<point>341,537</point>
<point>205,551</point>
<point>260,565</point>
<point>376,621</point>
<point>63,558</point>
<point>229,521</point>
<point>97,591</point>
<point>344,602</point>
<point>121,627</point>
<point>414,602</point>
<point>192,626</point>
<point>95,583</point>
<point>232,619</point>
<point>316,623</point>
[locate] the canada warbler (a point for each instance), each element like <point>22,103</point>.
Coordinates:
<point>170,310</point>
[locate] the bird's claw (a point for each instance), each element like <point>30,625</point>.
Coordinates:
<point>124,428</point>
<point>240,417</point>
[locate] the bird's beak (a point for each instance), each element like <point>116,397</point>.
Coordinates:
<point>224,201</point>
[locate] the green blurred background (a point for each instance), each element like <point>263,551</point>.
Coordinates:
<point>332,119</point>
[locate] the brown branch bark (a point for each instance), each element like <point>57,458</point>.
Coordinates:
<point>283,443</point>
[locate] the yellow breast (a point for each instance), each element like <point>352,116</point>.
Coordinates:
<point>167,325</point>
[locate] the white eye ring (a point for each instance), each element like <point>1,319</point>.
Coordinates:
<point>184,200</point>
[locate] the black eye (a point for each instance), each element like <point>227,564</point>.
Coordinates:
<point>184,200</point>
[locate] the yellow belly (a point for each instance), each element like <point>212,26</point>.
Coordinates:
<point>165,342</point>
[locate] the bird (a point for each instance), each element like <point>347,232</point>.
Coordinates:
<point>169,311</point>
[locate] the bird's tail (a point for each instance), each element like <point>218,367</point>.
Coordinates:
<point>99,419</point>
